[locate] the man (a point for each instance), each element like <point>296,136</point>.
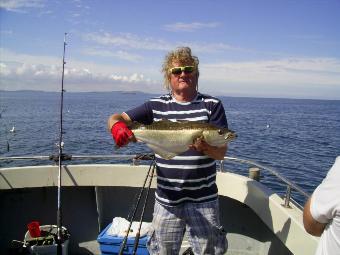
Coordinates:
<point>186,195</point>
<point>321,215</point>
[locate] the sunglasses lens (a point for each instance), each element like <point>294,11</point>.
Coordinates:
<point>188,69</point>
<point>176,70</point>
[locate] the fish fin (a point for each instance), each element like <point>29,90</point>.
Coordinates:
<point>162,152</point>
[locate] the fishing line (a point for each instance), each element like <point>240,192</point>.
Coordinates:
<point>152,166</point>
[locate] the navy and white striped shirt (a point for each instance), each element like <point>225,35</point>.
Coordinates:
<point>191,176</point>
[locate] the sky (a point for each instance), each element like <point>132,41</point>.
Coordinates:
<point>250,48</point>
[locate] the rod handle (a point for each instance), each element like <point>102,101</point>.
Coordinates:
<point>136,243</point>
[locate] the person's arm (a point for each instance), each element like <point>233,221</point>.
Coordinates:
<point>219,119</point>
<point>117,117</point>
<point>209,150</point>
<point>311,225</point>
<point>117,126</point>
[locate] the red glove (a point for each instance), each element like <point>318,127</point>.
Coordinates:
<point>121,133</point>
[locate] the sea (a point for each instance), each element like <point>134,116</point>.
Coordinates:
<point>298,138</point>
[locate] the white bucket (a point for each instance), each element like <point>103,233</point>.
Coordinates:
<point>50,249</point>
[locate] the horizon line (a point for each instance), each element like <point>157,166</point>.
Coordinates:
<point>141,92</point>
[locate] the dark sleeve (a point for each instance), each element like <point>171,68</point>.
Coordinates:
<point>218,117</point>
<point>142,114</point>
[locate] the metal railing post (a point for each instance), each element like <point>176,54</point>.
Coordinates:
<point>287,197</point>
<point>222,165</point>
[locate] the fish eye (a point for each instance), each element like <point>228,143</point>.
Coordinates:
<point>220,132</point>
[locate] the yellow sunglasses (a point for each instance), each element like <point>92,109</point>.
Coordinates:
<point>179,69</point>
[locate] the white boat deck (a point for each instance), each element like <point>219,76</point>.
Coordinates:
<point>92,195</point>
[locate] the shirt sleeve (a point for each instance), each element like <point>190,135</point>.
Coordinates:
<point>325,201</point>
<point>142,114</point>
<point>218,117</point>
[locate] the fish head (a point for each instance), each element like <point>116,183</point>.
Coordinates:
<point>219,136</point>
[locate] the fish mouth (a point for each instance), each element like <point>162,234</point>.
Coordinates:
<point>231,135</point>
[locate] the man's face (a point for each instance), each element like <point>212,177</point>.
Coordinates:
<point>183,81</point>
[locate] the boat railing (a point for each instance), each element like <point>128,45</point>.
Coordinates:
<point>290,186</point>
<point>65,157</point>
<point>136,158</point>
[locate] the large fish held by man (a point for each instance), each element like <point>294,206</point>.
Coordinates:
<point>168,139</point>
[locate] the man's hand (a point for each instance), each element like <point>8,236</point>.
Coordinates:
<point>199,145</point>
<point>212,151</point>
<point>121,133</point>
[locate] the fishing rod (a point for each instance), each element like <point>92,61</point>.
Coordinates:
<point>122,246</point>
<point>143,210</point>
<point>60,158</point>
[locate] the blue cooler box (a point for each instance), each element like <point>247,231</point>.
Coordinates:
<point>111,244</point>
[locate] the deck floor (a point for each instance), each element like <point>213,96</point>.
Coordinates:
<point>88,210</point>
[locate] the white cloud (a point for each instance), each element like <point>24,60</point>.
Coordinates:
<point>17,58</point>
<point>189,27</point>
<point>26,72</point>
<point>287,71</point>
<point>317,78</point>
<point>131,41</point>
<point>212,47</point>
<point>120,54</point>
<point>132,78</point>
<point>20,5</point>
<point>127,40</point>
<point>303,77</point>
<point>4,70</point>
<point>49,78</point>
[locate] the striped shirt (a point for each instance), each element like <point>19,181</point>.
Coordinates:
<point>190,176</point>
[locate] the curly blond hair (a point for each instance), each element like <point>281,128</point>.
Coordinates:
<point>181,55</point>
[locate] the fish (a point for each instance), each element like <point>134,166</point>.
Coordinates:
<point>169,139</point>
